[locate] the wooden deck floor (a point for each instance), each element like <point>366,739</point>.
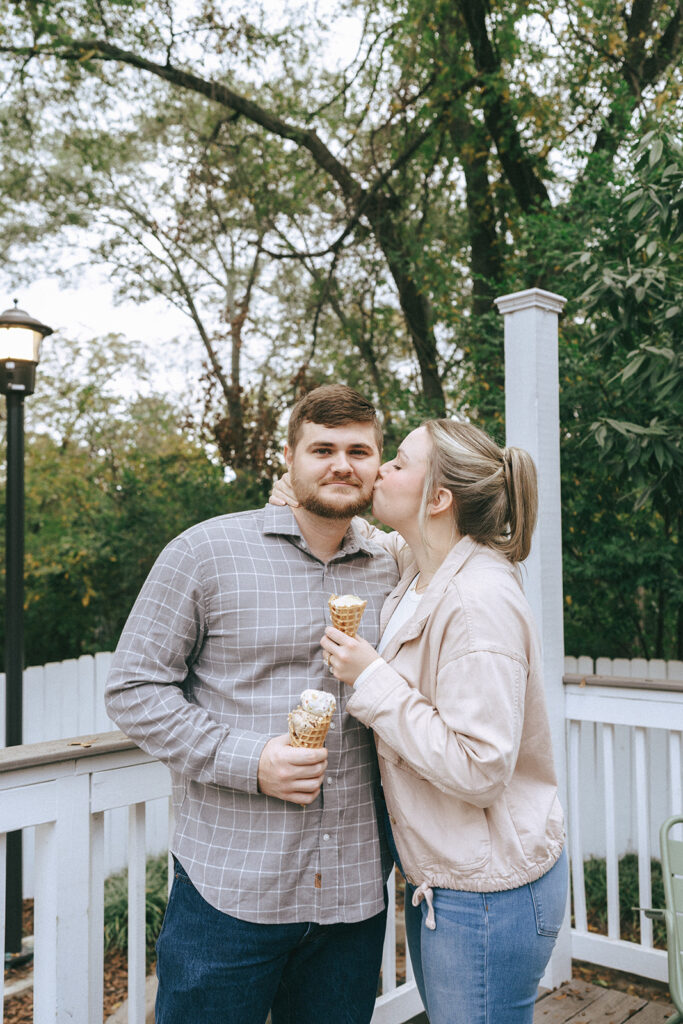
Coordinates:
<point>579,1002</point>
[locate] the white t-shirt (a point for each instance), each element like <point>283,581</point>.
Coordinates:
<point>403,611</point>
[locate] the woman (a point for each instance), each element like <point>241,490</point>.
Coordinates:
<point>456,702</point>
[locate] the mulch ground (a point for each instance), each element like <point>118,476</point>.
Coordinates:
<point>19,1009</point>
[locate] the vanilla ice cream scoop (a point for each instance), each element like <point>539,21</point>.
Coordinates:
<point>317,702</point>
<point>346,612</point>
<point>347,601</point>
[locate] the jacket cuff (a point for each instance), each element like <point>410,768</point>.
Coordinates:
<point>367,672</point>
<point>365,702</point>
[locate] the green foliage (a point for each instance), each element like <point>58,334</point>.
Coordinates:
<point>632,269</point>
<point>110,479</point>
<point>595,877</point>
<point>354,222</point>
<point>116,906</point>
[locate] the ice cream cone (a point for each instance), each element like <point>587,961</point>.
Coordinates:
<point>346,617</point>
<point>307,730</point>
<point>310,720</point>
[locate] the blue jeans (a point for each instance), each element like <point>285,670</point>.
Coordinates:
<point>216,969</point>
<point>484,961</point>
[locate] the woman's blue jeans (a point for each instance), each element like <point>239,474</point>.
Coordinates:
<point>484,961</point>
<point>217,969</point>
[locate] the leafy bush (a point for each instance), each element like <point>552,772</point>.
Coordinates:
<point>116,906</point>
<point>595,875</point>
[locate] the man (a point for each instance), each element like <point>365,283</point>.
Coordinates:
<point>277,901</point>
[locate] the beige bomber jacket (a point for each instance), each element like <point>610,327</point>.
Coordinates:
<point>462,733</point>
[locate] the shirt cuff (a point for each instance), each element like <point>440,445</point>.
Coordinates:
<point>367,672</point>
<point>238,759</point>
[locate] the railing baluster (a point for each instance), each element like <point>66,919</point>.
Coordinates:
<point>675,780</point>
<point>389,951</point>
<point>3,875</point>
<point>576,849</point>
<point>136,914</point>
<point>642,805</point>
<point>45,911</point>
<point>612,862</point>
<point>96,966</point>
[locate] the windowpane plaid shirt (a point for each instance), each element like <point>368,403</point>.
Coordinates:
<point>220,643</point>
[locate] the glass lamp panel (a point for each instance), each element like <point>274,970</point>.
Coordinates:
<point>20,343</point>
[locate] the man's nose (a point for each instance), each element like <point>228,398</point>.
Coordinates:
<point>340,463</point>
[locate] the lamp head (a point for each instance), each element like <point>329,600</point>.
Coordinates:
<point>21,336</point>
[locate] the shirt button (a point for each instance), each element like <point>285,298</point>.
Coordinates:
<point>326,836</point>
<point>333,725</point>
<point>329,780</point>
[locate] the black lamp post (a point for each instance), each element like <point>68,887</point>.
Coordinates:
<point>20,340</point>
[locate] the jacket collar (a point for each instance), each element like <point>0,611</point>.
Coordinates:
<point>452,564</point>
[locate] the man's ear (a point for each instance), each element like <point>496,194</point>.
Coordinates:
<point>289,455</point>
<point>441,502</point>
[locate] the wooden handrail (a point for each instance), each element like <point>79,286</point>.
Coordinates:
<point>623,682</point>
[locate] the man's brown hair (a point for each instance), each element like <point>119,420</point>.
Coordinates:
<point>332,405</point>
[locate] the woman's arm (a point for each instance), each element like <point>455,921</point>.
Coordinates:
<point>468,744</point>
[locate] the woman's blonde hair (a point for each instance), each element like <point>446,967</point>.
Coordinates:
<point>495,495</point>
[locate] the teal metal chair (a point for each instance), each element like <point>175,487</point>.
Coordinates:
<point>672,872</point>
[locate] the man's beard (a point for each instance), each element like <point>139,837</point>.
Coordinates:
<point>310,499</point>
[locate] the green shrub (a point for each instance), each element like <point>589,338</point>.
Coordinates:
<point>595,876</point>
<point>116,906</point>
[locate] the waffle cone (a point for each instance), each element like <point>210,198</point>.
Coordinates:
<point>307,730</point>
<point>346,618</point>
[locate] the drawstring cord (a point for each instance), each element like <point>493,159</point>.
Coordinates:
<point>424,892</point>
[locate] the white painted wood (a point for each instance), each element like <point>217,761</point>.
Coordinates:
<point>649,708</point>
<point>125,786</point>
<point>72,831</point>
<point>675,772</point>
<point>28,805</point>
<point>389,950</point>
<point>656,669</point>
<point>532,421</point>
<point>603,667</point>
<point>85,676</point>
<point>96,918</point>
<point>574,829</point>
<point>585,665</point>
<point>644,875</point>
<point>639,667</point>
<point>33,703</point>
<point>398,1006</point>
<point>136,914</point>
<point>612,862</point>
<point>102,664</point>
<point>621,955</point>
<point>3,875</point>
<point>45,914</point>
<point>674,670</point>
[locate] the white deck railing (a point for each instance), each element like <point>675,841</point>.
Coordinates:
<point>625,748</point>
<point>62,790</point>
<point>624,759</point>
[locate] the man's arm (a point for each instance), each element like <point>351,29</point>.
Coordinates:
<point>145,697</point>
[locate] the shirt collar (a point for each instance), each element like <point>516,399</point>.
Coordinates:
<point>279,520</point>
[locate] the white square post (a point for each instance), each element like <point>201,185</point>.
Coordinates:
<point>532,421</point>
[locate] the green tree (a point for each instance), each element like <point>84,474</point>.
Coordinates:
<point>110,479</point>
